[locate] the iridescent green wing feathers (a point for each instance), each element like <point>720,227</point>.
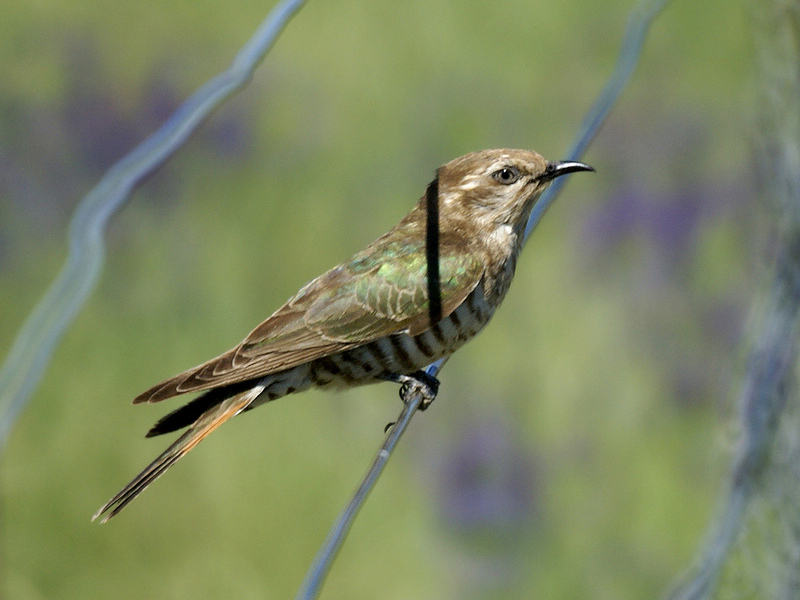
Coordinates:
<point>381,291</point>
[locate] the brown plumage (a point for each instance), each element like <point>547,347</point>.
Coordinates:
<point>369,319</point>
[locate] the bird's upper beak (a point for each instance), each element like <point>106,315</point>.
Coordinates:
<point>557,169</point>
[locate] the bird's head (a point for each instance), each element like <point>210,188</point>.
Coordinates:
<point>497,188</point>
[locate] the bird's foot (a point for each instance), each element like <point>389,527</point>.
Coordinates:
<point>418,382</point>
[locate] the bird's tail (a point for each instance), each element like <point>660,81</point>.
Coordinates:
<point>212,418</point>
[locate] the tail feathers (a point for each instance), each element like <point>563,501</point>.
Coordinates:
<point>208,422</point>
<point>189,413</point>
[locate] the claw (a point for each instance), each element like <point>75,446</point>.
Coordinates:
<point>418,382</point>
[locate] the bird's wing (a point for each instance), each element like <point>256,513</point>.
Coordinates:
<point>383,290</point>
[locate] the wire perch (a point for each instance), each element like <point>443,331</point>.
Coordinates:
<point>639,22</point>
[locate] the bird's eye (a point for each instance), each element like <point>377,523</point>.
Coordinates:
<point>506,175</point>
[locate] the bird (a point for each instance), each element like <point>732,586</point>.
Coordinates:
<point>413,296</point>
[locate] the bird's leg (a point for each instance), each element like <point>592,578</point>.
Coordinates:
<point>418,382</point>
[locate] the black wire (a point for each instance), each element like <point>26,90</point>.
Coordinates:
<point>432,252</point>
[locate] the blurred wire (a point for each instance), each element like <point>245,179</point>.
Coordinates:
<point>639,22</point>
<point>753,550</point>
<point>34,345</point>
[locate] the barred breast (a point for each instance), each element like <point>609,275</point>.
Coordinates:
<point>402,353</point>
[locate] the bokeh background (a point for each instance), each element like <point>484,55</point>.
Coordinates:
<point>577,447</point>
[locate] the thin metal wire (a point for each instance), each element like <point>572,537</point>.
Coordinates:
<point>321,565</point>
<point>639,21</point>
<point>638,24</point>
<point>753,543</point>
<point>36,341</point>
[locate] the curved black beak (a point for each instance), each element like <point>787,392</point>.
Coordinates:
<point>557,169</point>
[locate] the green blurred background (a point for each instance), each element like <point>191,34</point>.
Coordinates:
<point>577,446</point>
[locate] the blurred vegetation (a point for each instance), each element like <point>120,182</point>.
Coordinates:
<point>576,448</point>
